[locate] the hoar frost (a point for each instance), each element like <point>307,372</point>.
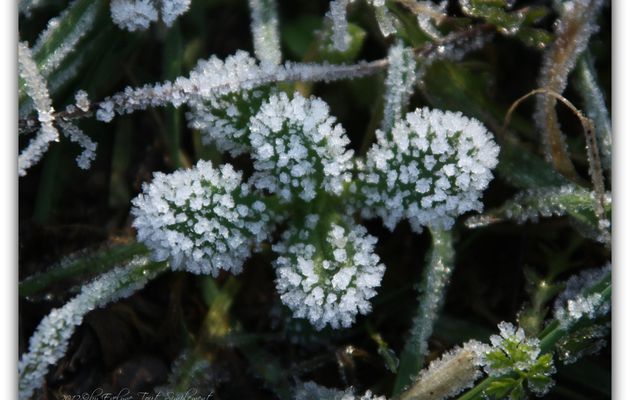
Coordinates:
<point>298,148</point>
<point>202,219</point>
<point>327,280</point>
<point>432,167</point>
<point>573,304</point>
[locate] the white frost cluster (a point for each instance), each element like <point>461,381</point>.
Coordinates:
<point>572,304</point>
<point>298,148</point>
<point>134,15</point>
<point>313,391</point>
<point>431,168</point>
<point>401,77</point>
<point>202,219</point>
<point>329,280</point>
<point>50,341</point>
<point>36,89</point>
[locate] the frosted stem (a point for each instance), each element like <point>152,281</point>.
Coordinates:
<point>595,107</point>
<point>76,135</point>
<point>574,28</point>
<point>401,77</point>
<point>50,341</point>
<point>436,276</point>
<point>337,16</point>
<point>265,31</point>
<point>36,89</point>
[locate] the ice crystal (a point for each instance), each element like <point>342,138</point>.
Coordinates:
<point>401,77</point>
<point>431,168</point>
<point>298,148</point>
<point>327,279</point>
<point>447,376</point>
<point>51,338</point>
<point>134,15</point>
<point>313,391</point>
<point>81,100</point>
<point>265,31</point>
<point>202,219</point>
<point>36,90</point>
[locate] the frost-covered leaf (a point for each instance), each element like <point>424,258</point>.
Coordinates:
<point>510,22</point>
<point>50,341</point>
<point>298,148</point>
<point>533,204</point>
<point>432,167</point>
<point>201,219</point>
<point>327,271</point>
<point>516,360</point>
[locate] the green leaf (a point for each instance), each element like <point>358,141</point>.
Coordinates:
<point>501,388</point>
<point>534,37</point>
<point>299,34</point>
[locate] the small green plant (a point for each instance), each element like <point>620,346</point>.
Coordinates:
<point>273,211</point>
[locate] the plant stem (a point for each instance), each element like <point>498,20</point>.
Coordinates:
<point>436,276</point>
